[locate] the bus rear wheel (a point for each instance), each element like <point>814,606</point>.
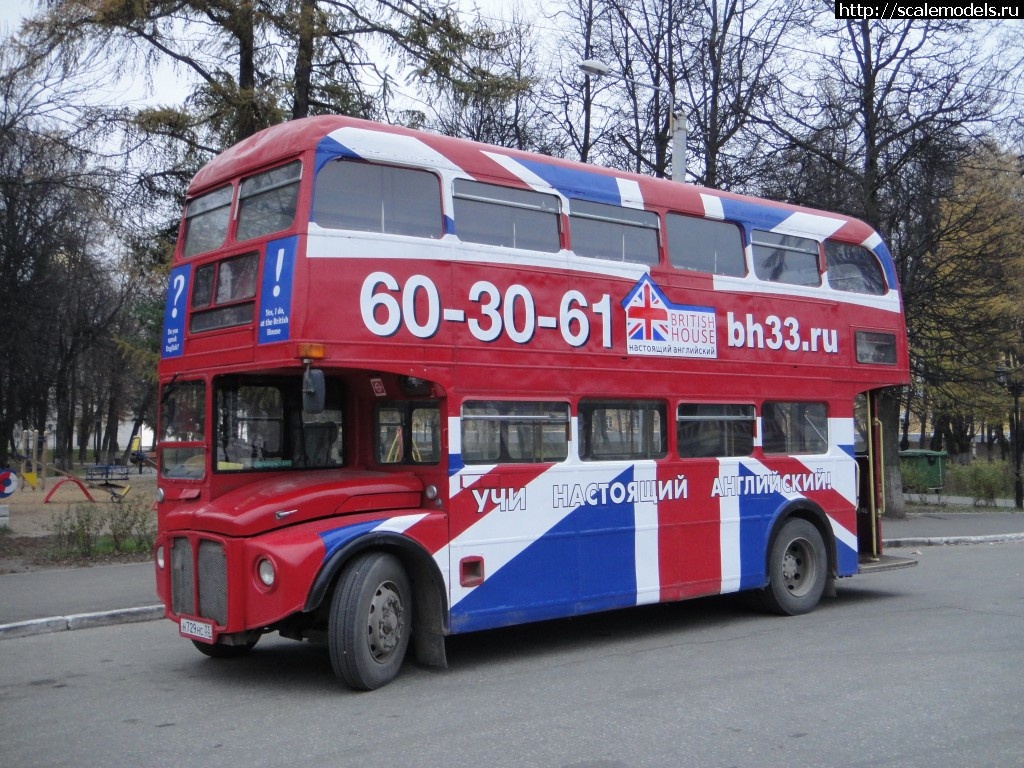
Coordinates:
<point>797,569</point>
<point>370,621</point>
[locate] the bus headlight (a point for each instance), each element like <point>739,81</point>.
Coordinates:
<point>160,557</point>
<point>159,495</point>
<point>265,570</point>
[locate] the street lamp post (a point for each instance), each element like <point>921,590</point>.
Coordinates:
<point>1016,388</point>
<point>677,122</point>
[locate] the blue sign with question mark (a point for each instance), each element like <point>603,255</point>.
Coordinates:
<point>173,343</point>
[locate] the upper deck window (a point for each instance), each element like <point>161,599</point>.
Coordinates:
<point>854,269</point>
<point>781,258</point>
<point>703,245</point>
<point>206,221</point>
<point>223,293</point>
<point>506,216</point>
<point>614,233</point>
<point>266,201</point>
<point>367,197</point>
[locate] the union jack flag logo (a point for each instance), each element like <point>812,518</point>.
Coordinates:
<point>647,315</point>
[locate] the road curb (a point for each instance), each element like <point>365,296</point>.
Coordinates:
<point>933,541</point>
<point>80,621</point>
<point>153,612</point>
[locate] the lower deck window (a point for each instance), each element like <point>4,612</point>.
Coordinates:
<point>712,429</point>
<point>622,429</point>
<point>794,428</point>
<point>409,433</point>
<point>505,432</point>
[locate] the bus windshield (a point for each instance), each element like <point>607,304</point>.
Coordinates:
<point>260,425</point>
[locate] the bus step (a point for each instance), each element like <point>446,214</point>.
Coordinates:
<point>870,564</point>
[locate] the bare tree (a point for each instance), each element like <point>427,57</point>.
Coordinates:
<point>878,130</point>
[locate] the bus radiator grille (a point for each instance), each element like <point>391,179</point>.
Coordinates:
<point>209,570</point>
<point>212,572</point>
<point>182,578</point>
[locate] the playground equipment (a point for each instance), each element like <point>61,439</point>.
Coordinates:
<point>109,478</point>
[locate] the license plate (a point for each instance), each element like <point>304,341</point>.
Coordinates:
<point>200,630</point>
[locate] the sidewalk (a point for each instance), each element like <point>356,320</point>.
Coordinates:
<point>56,600</point>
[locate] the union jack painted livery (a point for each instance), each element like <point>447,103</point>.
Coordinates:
<point>414,386</point>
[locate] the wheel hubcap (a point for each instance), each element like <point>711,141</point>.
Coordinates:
<point>384,626</point>
<point>798,568</point>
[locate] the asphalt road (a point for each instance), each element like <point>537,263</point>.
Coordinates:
<point>919,667</point>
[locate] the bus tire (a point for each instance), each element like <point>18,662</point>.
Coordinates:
<point>797,569</point>
<point>370,621</point>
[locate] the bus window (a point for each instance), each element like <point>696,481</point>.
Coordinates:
<point>266,201</point>
<point>703,245</point>
<point>711,429</point>
<point>622,429</point>
<point>502,432</point>
<point>409,433</point>
<point>182,421</point>
<point>614,233</point>
<point>853,268</point>
<point>250,425</point>
<point>206,221</point>
<point>781,258</point>
<point>223,293</point>
<point>506,216</point>
<point>794,428</point>
<point>378,198</point>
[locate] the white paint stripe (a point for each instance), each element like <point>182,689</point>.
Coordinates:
<point>713,206</point>
<point>390,147</point>
<point>646,537</point>
<point>729,532</point>
<point>630,194</point>
<point>400,524</point>
<point>843,534</point>
<point>802,223</point>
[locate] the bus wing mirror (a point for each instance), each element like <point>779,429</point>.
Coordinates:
<point>313,391</point>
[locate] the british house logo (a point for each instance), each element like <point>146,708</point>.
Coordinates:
<point>654,326</point>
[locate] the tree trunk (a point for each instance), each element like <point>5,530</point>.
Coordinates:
<point>889,415</point>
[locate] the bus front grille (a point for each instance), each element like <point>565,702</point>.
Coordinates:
<point>213,582</point>
<point>209,570</point>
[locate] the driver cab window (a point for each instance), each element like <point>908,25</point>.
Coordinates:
<point>261,425</point>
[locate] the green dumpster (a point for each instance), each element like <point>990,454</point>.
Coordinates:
<point>923,470</point>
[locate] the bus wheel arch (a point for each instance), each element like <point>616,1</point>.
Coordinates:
<point>800,562</point>
<point>427,592</point>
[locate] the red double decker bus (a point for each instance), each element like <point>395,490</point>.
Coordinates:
<point>413,385</point>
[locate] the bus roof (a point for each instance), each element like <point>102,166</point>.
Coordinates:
<point>483,161</point>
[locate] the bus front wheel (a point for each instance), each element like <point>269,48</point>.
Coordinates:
<point>370,621</point>
<point>797,569</point>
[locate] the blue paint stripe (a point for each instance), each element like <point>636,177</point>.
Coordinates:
<point>575,182</point>
<point>336,538</point>
<point>585,563</point>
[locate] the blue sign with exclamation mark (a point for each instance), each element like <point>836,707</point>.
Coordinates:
<point>276,292</point>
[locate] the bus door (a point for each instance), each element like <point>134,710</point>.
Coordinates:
<point>870,475</point>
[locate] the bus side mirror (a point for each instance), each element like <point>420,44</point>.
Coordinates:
<point>313,391</point>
